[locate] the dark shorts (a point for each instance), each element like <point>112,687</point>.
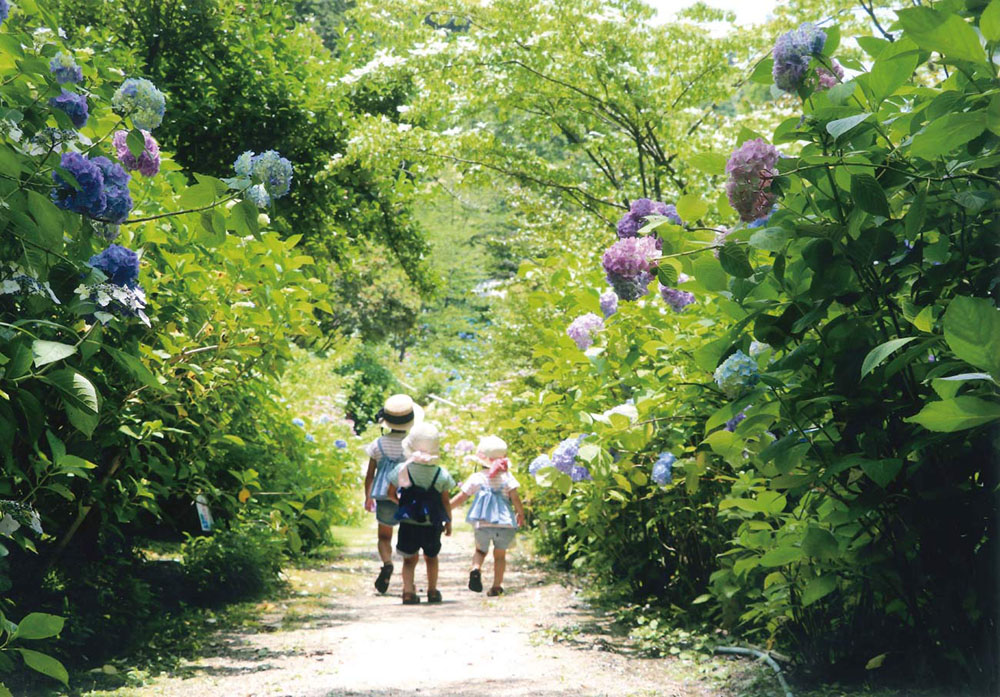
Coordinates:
<point>413,538</point>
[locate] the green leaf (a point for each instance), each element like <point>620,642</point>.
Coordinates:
<point>877,355</point>
<point>75,388</point>
<point>946,33</point>
<point>136,142</point>
<point>818,588</point>
<point>590,451</point>
<point>49,219</point>
<point>972,330</point>
<point>45,664</point>
<point>876,662</point>
<point>832,40</point>
<point>868,195</point>
<point>39,625</point>
<point>989,23</point>
<point>667,275</point>
<point>708,162</point>
<point>820,543</point>
<point>197,196</point>
<point>691,207</point>
<point>4,692</point>
<point>84,421</point>
<point>763,72</point>
<point>46,352</point>
<point>943,135</point>
<point>882,472</point>
<point>956,414</point>
<point>841,126</point>
<point>135,367</point>
<point>735,261</point>
<point>893,68</point>
<point>781,556</point>
<point>770,239</point>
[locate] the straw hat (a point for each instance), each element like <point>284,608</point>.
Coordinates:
<point>400,413</point>
<point>491,448</point>
<point>423,443</point>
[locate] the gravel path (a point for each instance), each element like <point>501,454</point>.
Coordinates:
<point>338,638</point>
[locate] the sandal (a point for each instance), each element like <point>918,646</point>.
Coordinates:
<point>476,581</point>
<point>434,596</point>
<point>411,599</point>
<point>382,582</point>
<point>495,591</point>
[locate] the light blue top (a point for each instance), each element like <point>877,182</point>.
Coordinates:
<point>384,467</point>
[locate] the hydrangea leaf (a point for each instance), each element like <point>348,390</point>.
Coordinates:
<point>946,33</point>
<point>45,352</point>
<point>44,664</point>
<point>868,195</point>
<point>877,355</point>
<point>943,135</point>
<point>818,588</point>
<point>956,414</point>
<point>39,625</point>
<point>989,23</point>
<point>972,330</point>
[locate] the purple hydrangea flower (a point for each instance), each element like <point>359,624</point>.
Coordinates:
<point>628,263</point>
<point>579,473</point>
<point>735,421</point>
<point>64,68</point>
<point>663,469</point>
<point>298,422</point>
<point>340,443</point>
<point>564,456</point>
<point>139,99</point>
<point>148,163</point>
<point>630,223</point>
<point>119,200</point>
<point>609,303</point>
<point>119,264</point>
<point>737,373</point>
<point>75,106</point>
<point>539,463</point>
<point>464,447</point>
<point>792,52</point>
<point>4,11</point>
<point>90,198</point>
<point>677,299</point>
<point>583,328</point>
<point>825,79</point>
<point>750,169</point>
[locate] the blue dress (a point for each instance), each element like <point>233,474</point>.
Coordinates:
<point>493,507</point>
<point>383,468</point>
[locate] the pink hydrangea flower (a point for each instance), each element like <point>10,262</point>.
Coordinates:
<point>751,168</point>
<point>583,328</point>
<point>148,163</point>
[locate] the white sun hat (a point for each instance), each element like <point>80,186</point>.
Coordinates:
<point>423,443</point>
<point>491,448</point>
<point>400,413</point>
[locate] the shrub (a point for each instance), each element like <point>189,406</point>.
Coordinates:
<point>240,562</point>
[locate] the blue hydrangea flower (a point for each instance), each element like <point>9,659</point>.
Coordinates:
<point>735,421</point>
<point>274,172</point>
<point>90,198</point>
<point>75,106</point>
<point>298,422</point>
<point>539,463</point>
<point>580,473</point>
<point>737,374</point>
<point>258,196</point>
<point>119,200</point>
<point>64,68</point>
<point>139,99</point>
<point>4,10</point>
<point>310,438</point>
<point>340,443</point>
<point>792,52</point>
<point>663,469</point>
<point>244,163</point>
<point>762,221</point>
<point>564,457</point>
<point>675,298</point>
<point>119,264</point>
<point>609,303</point>
<point>758,347</point>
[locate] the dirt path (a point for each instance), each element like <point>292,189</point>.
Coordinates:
<point>338,638</point>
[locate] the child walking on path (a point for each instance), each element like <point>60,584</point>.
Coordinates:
<point>385,453</point>
<point>421,488</point>
<point>496,512</point>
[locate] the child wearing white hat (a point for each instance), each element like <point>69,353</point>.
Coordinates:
<point>496,512</point>
<point>384,454</point>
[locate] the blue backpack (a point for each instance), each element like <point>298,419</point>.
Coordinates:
<point>420,505</point>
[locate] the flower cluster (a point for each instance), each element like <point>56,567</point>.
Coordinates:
<point>464,447</point>
<point>102,190</point>
<point>735,421</point>
<point>762,221</point>
<point>74,105</point>
<point>792,53</point>
<point>675,298</point>
<point>609,303</point>
<point>750,169</point>
<point>148,163</point>
<point>119,264</point>
<point>139,99</point>
<point>112,299</point>
<point>564,459</point>
<point>630,223</point>
<point>825,79</point>
<point>539,463</point>
<point>270,173</point>
<point>14,514</point>
<point>628,264</point>
<point>758,347</point>
<point>4,10</point>
<point>64,68</point>
<point>583,328</point>
<point>737,374</point>
<point>298,422</point>
<point>663,469</point>
<point>14,280</point>
<point>340,443</point>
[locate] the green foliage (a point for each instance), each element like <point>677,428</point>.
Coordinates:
<point>238,563</point>
<point>371,383</point>
<point>34,626</point>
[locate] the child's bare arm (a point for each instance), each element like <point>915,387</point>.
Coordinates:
<point>369,478</point>
<point>458,499</point>
<point>518,507</point>
<point>446,501</point>
<point>392,494</point>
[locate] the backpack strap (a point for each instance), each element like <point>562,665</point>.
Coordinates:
<point>378,442</point>
<point>434,481</point>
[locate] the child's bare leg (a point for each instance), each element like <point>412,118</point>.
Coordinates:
<point>478,557</point>
<point>385,543</point>
<point>432,573</point>
<point>409,566</point>
<point>499,566</point>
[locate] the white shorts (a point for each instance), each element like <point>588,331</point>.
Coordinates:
<point>502,538</point>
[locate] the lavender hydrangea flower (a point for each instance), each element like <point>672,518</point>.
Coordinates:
<point>119,264</point>
<point>298,422</point>
<point>464,447</point>
<point>64,68</point>
<point>119,200</point>
<point>89,199</point>
<point>663,469</point>
<point>751,168</point>
<point>148,163</point>
<point>310,438</point>
<point>630,223</point>
<point>539,463</point>
<point>737,374</point>
<point>735,421</point>
<point>580,473</point>
<point>792,52</point>
<point>4,11</point>
<point>139,99</point>
<point>583,328</point>
<point>677,299</point>
<point>74,105</point>
<point>340,443</point>
<point>564,456</point>
<point>609,303</point>
<point>825,79</point>
<point>628,263</point>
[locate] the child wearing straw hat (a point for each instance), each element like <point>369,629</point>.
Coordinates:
<point>385,453</point>
<point>496,512</point>
<point>421,488</point>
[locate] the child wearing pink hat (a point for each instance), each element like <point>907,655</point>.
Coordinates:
<point>496,512</point>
